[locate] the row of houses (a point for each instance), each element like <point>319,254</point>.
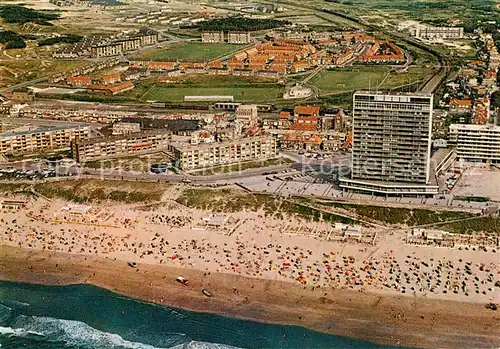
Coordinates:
<point>85,70</point>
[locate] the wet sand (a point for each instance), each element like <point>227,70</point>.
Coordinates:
<point>376,317</point>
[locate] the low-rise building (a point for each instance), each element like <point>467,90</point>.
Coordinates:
<point>459,106</point>
<point>112,90</point>
<point>102,148</point>
<point>306,111</point>
<point>423,32</point>
<point>111,79</point>
<point>19,96</point>
<point>191,157</point>
<point>35,141</point>
<point>12,205</point>
<point>79,81</point>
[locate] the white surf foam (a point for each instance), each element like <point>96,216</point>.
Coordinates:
<point>203,345</point>
<point>17,332</point>
<point>76,333</point>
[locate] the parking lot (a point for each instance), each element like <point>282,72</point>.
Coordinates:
<point>294,183</point>
<point>479,181</point>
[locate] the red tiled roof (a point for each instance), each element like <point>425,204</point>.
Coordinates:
<point>284,115</point>
<point>467,102</point>
<point>303,110</point>
<point>304,127</point>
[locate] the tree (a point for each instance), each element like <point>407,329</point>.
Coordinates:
<point>495,99</point>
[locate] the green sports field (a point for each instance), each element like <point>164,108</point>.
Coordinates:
<point>356,78</point>
<point>191,51</point>
<point>349,79</point>
<point>241,94</point>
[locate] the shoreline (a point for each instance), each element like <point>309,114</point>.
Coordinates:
<point>378,318</point>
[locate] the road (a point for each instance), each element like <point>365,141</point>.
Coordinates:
<point>24,84</point>
<point>433,84</point>
<point>302,164</point>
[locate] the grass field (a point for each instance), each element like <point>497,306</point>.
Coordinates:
<point>241,94</point>
<point>349,79</point>
<point>242,166</point>
<point>430,11</point>
<point>191,51</point>
<point>412,76</point>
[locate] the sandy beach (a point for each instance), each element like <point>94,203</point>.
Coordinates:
<point>265,268</point>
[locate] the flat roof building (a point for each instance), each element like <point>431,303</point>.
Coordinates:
<point>120,146</point>
<point>391,144</point>
<point>423,32</point>
<point>476,143</point>
<point>122,128</point>
<point>33,141</point>
<point>190,157</point>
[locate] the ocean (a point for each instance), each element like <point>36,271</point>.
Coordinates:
<point>88,317</point>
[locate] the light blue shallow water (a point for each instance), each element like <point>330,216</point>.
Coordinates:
<point>87,317</point>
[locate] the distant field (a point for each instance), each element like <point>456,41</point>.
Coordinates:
<point>412,76</point>
<point>430,11</point>
<point>191,51</point>
<point>241,94</point>
<point>349,79</point>
<point>16,71</point>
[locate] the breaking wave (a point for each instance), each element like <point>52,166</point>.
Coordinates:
<point>79,334</point>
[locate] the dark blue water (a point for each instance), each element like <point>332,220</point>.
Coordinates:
<point>87,317</point>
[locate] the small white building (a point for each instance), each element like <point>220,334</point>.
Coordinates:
<point>215,220</point>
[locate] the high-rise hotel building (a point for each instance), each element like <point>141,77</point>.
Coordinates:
<point>391,144</point>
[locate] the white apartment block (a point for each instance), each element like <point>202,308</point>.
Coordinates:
<point>212,37</point>
<point>107,50</point>
<point>391,144</point>
<point>423,32</point>
<point>117,46</point>
<point>476,143</point>
<point>41,140</point>
<point>238,38</point>
<point>120,146</point>
<point>191,157</point>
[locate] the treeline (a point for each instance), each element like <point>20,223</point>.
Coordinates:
<point>239,24</point>
<point>20,15</point>
<point>11,39</point>
<point>342,2</point>
<point>67,39</point>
